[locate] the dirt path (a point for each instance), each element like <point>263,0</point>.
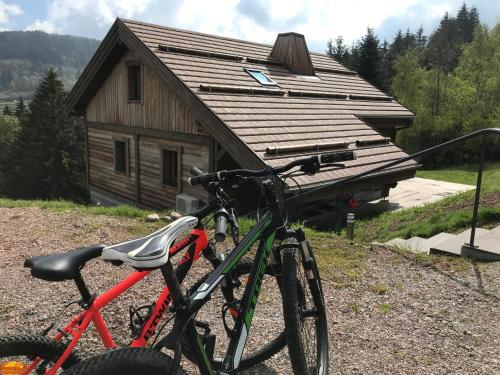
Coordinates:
<point>399,315</point>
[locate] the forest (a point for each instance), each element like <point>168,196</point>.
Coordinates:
<point>450,79</point>
<point>26,56</point>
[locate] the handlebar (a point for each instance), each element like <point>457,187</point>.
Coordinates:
<point>309,165</point>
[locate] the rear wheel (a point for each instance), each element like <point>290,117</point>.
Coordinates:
<point>17,353</point>
<point>126,361</point>
<point>304,313</point>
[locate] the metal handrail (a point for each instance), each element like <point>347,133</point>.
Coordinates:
<point>431,150</point>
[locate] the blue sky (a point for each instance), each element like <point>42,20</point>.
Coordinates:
<point>256,20</point>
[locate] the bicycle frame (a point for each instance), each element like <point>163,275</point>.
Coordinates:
<point>80,323</point>
<point>266,230</point>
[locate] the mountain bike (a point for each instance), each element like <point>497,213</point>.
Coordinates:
<point>41,354</point>
<point>286,251</point>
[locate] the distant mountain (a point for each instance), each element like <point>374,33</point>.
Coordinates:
<point>25,56</point>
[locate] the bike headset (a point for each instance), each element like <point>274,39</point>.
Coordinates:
<point>225,213</point>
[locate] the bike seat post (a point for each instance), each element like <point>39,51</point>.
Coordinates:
<point>172,282</point>
<point>87,298</point>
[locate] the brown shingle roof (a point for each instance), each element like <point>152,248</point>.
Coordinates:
<point>285,119</point>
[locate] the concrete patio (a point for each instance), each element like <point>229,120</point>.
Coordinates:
<point>419,191</point>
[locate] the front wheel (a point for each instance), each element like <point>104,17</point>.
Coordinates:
<point>304,313</point>
<point>126,361</point>
<point>34,354</point>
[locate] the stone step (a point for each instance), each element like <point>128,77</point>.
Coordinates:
<point>413,244</point>
<point>488,247</point>
<point>495,230</point>
<point>453,246</point>
<point>438,238</point>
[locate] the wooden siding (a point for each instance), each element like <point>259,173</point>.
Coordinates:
<point>102,172</point>
<point>159,108</point>
<point>152,192</point>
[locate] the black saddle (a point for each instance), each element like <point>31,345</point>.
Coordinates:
<point>63,266</point>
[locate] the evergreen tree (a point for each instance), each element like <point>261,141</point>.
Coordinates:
<point>9,127</point>
<point>7,111</point>
<point>339,51</point>
<point>47,157</point>
<point>444,45</point>
<point>21,108</point>
<point>369,58</point>
<point>467,21</point>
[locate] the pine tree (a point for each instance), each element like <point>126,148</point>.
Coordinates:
<point>467,21</point>
<point>7,111</point>
<point>369,58</point>
<point>444,45</point>
<point>47,157</point>
<point>339,51</point>
<point>420,39</point>
<point>21,108</point>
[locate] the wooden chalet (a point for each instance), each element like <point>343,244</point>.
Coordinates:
<point>158,100</point>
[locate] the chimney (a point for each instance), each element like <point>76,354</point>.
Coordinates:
<point>291,50</point>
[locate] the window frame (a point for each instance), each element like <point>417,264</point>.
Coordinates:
<point>178,151</point>
<point>126,141</point>
<point>272,83</point>
<point>131,64</point>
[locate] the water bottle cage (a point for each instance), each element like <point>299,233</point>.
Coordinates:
<point>138,318</point>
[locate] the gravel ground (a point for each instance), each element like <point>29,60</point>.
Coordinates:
<point>400,315</point>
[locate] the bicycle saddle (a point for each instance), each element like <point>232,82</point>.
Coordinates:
<point>151,251</point>
<point>63,266</point>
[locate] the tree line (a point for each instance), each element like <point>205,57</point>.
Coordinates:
<point>450,80</point>
<point>25,56</point>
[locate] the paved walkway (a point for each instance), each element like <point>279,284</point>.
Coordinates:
<point>419,191</point>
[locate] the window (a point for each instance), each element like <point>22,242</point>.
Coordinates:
<point>134,82</point>
<point>169,168</point>
<point>121,156</point>
<point>261,77</point>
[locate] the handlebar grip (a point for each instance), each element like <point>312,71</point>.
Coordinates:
<point>195,171</point>
<point>195,180</point>
<point>337,157</point>
<point>221,217</point>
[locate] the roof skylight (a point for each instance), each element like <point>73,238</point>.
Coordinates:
<point>261,77</point>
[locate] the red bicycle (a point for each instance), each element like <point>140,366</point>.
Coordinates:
<point>28,354</point>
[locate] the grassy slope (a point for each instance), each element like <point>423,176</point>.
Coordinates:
<point>452,214</point>
<point>62,205</point>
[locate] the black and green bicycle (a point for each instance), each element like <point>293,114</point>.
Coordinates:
<point>287,252</point>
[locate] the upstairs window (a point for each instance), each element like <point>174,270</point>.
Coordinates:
<point>261,77</point>
<point>134,82</point>
<point>169,168</point>
<point>121,156</point>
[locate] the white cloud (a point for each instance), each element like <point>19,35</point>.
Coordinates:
<point>262,20</point>
<point>258,20</point>
<point>90,17</point>
<point>7,11</point>
<point>46,26</point>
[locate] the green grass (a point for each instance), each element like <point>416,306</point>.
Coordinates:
<point>452,214</point>
<point>467,174</point>
<point>385,308</point>
<point>65,206</point>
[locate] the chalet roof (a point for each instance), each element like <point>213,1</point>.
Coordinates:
<point>310,111</point>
